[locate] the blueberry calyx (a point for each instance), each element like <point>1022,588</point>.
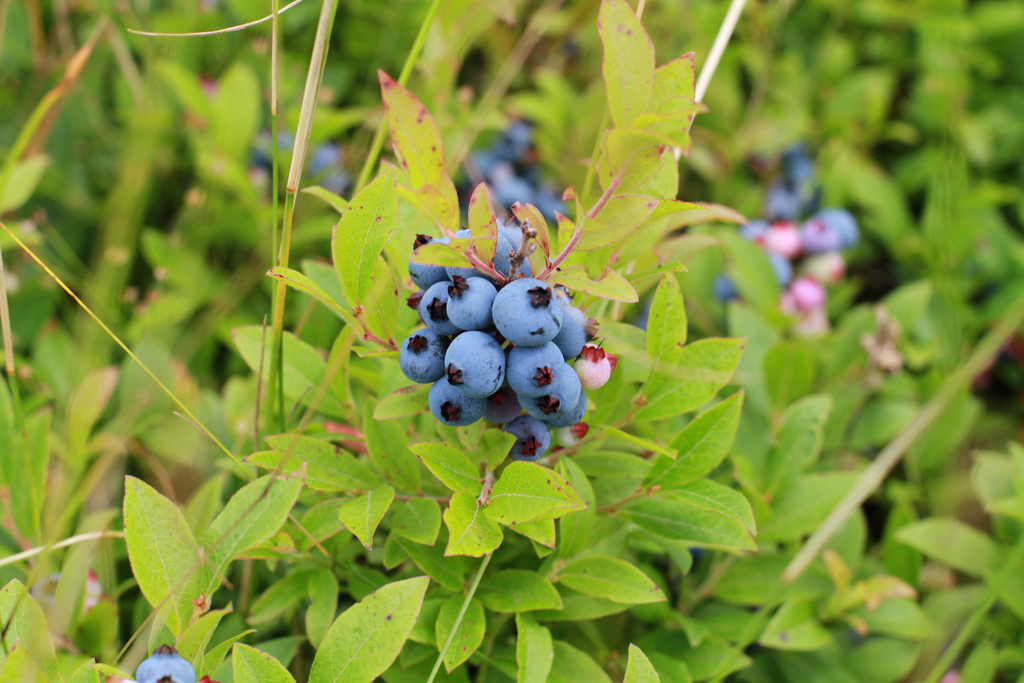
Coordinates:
<point>591,329</point>
<point>165,650</point>
<point>454,374</point>
<point>497,398</point>
<point>417,343</point>
<point>413,300</point>
<point>548,404</point>
<point>420,241</point>
<point>449,411</point>
<point>544,376</point>
<point>458,286</point>
<point>529,445</point>
<point>539,296</point>
<point>438,309</point>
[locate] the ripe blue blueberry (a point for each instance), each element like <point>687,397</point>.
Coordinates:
<point>572,336</point>
<point>475,364</point>
<point>531,369</point>
<point>526,313</point>
<point>724,288</point>
<point>423,275</point>
<point>571,417</point>
<point>532,438</point>
<point>781,203</point>
<point>820,237</point>
<point>563,396</point>
<point>782,267</point>
<point>508,187</point>
<point>453,408</point>
<point>502,406</point>
<point>165,666</point>
<point>469,302</point>
<point>434,309</point>
<point>843,222</point>
<point>422,356</point>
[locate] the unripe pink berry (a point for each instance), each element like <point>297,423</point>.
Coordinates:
<point>783,238</point>
<point>828,268</point>
<point>812,324</point>
<point>594,367</point>
<point>808,294</point>
<point>570,436</point>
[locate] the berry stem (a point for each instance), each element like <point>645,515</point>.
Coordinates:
<point>577,234</point>
<point>485,268</point>
<point>485,490</point>
<point>516,260</point>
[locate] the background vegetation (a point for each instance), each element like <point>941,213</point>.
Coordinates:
<point>139,170</point>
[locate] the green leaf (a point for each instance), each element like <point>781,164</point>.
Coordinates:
<point>674,79</point>
<point>680,520</point>
<point>883,660</point>
<point>450,572</point>
<point>329,467</point>
<point>339,204</point>
<point>469,532</point>
<point>387,443</point>
<point>23,180</point>
<point>306,285</point>
<point>87,404</point>
<point>610,578</point>
<point>574,528</point>
<point>714,497</point>
<point>439,254</point>
<point>366,639</point>
<point>253,514</point>
<point>632,154</point>
<point>235,114</point>
<point>416,138</point>
<point>496,444</point>
<point>24,624</point>
<point>752,272</point>
<point>250,665</point>
<point>418,520</point>
<point>628,65</point>
<point>702,445</point>
<point>194,639</point>
<point>468,634</point>
<point>483,225</point>
<point>638,668</point>
<point>20,667</point>
<point>788,372</point>
<point>794,628</point>
<point>304,368</point>
<point>573,666</point>
<point>85,673</point>
<point>534,653</point>
<point>542,531</point>
<point>323,605</point>
<point>803,506</point>
<point>518,590</point>
<point>528,214</point>
<point>380,308</point>
<point>527,491</point>
<point>798,443</point>
<point>610,285</point>
<point>404,402</point>
<point>693,379</point>
<point>362,515</point>
<point>164,555</point>
<point>619,218</point>
<point>363,229</point>
<point>666,325</point>
<point>450,465</point>
<point>952,543</point>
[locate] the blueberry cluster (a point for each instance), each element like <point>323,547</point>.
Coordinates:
<point>493,351</point>
<point>165,666</point>
<point>802,243</point>
<point>512,170</point>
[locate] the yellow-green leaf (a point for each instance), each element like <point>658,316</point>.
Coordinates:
<point>468,634</point>
<point>417,140</point>
<point>450,465</point>
<point>611,285</point>
<point>469,531</point>
<point>366,639</point>
<point>533,650</point>
<point>610,578</point>
<point>527,491</point>
<point>628,64</point>
<point>361,515</point>
<point>368,223</point>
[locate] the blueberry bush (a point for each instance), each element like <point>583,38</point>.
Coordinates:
<point>511,340</point>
